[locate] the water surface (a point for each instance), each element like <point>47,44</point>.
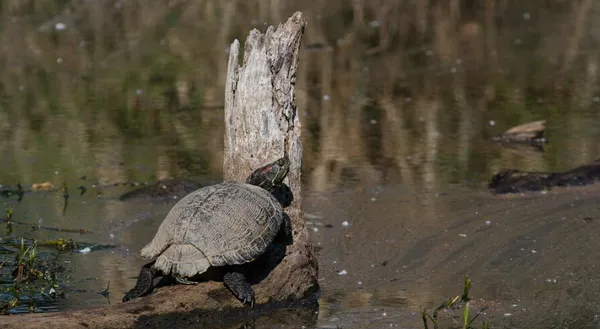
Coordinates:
<point>399,105</point>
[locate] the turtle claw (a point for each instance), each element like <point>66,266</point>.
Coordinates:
<point>239,286</point>
<point>249,298</point>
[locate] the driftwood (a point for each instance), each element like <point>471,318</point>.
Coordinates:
<point>515,181</point>
<point>532,132</point>
<point>261,125</point>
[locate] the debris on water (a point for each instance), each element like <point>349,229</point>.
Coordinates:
<point>462,235</point>
<point>84,250</point>
<point>533,251</point>
<point>359,282</point>
<point>374,24</point>
<point>345,223</point>
<point>492,123</point>
<point>587,219</point>
<point>312,216</point>
<point>45,186</point>
<point>342,272</point>
<point>315,229</point>
<point>488,222</point>
<point>82,189</point>
<point>373,199</point>
<point>105,292</point>
<point>507,314</point>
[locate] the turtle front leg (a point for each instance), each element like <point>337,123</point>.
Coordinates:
<point>144,285</point>
<point>237,283</point>
<point>285,234</point>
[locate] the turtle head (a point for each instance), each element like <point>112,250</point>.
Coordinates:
<point>271,175</point>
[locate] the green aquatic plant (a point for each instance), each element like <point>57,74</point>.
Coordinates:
<point>61,244</point>
<point>9,212</point>
<point>33,278</point>
<point>8,306</point>
<point>25,263</point>
<point>467,321</point>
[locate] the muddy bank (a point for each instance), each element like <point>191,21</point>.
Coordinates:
<point>178,306</point>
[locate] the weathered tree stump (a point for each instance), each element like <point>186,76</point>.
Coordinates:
<point>261,125</point>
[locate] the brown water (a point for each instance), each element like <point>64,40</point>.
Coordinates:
<point>398,109</point>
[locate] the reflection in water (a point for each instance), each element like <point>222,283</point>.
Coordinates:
<point>399,101</point>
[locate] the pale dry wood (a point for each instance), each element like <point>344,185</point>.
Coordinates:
<point>261,124</point>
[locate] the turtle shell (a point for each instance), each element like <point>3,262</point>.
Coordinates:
<point>224,224</point>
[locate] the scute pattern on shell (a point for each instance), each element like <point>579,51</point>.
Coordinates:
<point>224,224</point>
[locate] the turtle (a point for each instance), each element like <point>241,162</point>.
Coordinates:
<point>218,226</point>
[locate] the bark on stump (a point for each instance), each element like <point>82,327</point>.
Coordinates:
<point>261,125</point>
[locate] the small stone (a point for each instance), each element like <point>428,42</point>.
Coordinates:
<point>342,272</point>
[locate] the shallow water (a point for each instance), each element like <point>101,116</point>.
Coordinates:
<point>397,148</point>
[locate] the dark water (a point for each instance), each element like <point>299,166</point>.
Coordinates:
<point>398,109</point>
